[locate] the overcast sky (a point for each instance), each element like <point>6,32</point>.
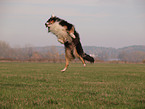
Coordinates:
<point>107,23</point>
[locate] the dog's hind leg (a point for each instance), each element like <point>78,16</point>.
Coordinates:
<point>76,54</point>
<point>82,61</point>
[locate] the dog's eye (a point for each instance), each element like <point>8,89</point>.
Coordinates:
<point>51,22</point>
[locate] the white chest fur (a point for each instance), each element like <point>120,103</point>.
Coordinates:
<point>60,32</point>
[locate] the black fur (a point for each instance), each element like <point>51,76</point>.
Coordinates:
<point>62,22</point>
<point>54,19</point>
<point>65,23</point>
<point>75,41</point>
<point>88,58</point>
<point>79,49</point>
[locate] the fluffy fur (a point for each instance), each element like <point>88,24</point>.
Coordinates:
<point>60,32</point>
<point>67,35</point>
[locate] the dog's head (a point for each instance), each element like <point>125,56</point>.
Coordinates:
<point>50,21</point>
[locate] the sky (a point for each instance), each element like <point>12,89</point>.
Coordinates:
<point>105,23</point>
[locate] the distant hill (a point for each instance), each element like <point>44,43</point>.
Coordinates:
<point>133,48</point>
<point>103,53</point>
<point>134,53</point>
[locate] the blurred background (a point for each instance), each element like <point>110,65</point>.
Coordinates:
<point>101,23</point>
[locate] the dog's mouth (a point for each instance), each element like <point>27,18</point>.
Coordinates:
<point>47,25</point>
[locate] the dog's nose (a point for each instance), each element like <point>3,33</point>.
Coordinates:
<point>46,24</point>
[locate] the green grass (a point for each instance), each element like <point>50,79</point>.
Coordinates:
<point>98,86</point>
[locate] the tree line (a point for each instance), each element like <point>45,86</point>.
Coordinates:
<point>28,54</point>
<point>55,54</point>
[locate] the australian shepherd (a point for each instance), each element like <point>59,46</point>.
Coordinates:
<point>67,35</point>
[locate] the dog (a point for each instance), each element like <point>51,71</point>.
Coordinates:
<point>67,35</point>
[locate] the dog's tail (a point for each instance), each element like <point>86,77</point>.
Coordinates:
<point>80,50</point>
<point>83,54</point>
<point>88,58</point>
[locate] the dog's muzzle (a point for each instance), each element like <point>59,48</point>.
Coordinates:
<point>46,24</point>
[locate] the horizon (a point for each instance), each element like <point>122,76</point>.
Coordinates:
<point>105,23</point>
<point>29,45</point>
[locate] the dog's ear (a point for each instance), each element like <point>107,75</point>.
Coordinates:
<point>52,15</point>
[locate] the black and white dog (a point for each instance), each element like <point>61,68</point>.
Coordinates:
<point>67,35</point>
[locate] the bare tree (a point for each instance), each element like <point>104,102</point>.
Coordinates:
<point>137,56</point>
<point>5,50</point>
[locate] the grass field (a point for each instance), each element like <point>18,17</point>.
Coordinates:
<point>98,86</point>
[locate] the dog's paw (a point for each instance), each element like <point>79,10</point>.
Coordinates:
<point>61,41</point>
<point>63,70</point>
<point>84,65</point>
<point>72,35</point>
<point>65,40</point>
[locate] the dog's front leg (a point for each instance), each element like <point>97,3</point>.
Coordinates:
<point>66,64</point>
<point>61,41</point>
<point>72,35</point>
<point>71,32</point>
